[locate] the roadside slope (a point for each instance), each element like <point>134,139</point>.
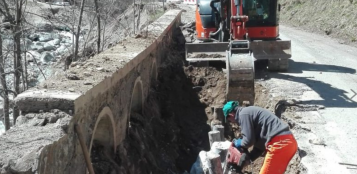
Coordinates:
<point>333,18</point>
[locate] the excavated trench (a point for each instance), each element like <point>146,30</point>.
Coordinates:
<point>166,135</point>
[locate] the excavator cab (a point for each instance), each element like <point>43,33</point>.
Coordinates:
<point>263,17</point>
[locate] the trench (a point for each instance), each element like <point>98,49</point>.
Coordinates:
<point>168,130</point>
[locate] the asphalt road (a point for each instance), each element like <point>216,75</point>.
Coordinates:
<point>323,73</point>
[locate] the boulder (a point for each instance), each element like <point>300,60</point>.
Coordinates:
<point>46,57</point>
<point>62,28</point>
<point>54,42</point>
<point>48,46</point>
<point>64,123</point>
<point>45,37</point>
<point>34,37</point>
<point>37,46</point>
<point>44,27</point>
<point>62,49</point>
<point>21,120</point>
<point>31,55</point>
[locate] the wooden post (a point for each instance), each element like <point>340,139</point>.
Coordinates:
<point>214,136</point>
<point>219,128</point>
<point>205,162</point>
<point>218,114</point>
<point>215,161</point>
<point>221,148</point>
<point>84,148</point>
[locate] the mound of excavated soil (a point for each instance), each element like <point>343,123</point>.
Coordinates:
<point>203,55</point>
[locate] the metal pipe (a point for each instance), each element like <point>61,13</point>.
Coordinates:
<point>84,148</point>
<point>215,33</point>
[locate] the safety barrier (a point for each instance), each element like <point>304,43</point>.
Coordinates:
<point>193,2</point>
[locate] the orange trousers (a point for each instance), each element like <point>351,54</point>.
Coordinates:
<point>280,150</point>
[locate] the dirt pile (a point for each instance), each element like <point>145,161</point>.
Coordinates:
<point>203,55</point>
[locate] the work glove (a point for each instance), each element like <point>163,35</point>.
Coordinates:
<point>237,143</point>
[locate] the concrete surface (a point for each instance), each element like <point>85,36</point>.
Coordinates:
<point>45,100</point>
<point>322,75</point>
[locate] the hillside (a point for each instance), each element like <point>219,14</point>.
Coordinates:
<point>334,18</point>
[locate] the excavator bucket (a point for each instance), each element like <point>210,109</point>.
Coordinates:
<point>211,51</point>
<point>280,49</point>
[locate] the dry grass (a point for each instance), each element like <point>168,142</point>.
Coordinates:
<point>333,18</point>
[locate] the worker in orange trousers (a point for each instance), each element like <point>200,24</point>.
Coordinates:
<point>266,133</point>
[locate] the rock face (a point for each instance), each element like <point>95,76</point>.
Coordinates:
<point>21,146</point>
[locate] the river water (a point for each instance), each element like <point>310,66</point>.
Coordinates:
<point>2,128</point>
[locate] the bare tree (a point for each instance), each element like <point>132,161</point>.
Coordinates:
<point>5,93</point>
<point>13,13</point>
<point>17,53</point>
<point>98,24</point>
<point>78,30</point>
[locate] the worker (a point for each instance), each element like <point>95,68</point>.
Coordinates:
<point>264,131</point>
<point>259,9</point>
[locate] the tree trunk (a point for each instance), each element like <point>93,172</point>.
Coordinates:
<point>4,86</point>
<point>17,56</point>
<point>138,20</point>
<point>78,30</point>
<point>103,38</point>
<point>24,68</point>
<point>98,24</point>
<point>134,16</point>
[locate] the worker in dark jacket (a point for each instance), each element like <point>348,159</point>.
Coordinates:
<point>266,132</point>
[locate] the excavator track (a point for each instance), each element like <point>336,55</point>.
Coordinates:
<point>240,75</point>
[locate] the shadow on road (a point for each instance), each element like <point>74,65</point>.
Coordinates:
<point>331,96</point>
<point>299,67</point>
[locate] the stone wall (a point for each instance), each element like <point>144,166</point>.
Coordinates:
<point>101,102</point>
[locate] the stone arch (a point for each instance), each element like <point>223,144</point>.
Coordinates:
<point>104,131</point>
<point>137,102</point>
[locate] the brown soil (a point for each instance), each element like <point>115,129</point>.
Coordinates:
<point>203,55</point>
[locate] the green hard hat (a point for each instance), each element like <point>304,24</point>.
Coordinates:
<point>229,107</point>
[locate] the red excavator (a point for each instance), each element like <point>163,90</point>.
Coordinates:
<point>239,32</point>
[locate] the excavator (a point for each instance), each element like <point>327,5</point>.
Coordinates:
<point>239,32</point>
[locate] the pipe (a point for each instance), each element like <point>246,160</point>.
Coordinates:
<point>215,33</point>
<point>84,148</point>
